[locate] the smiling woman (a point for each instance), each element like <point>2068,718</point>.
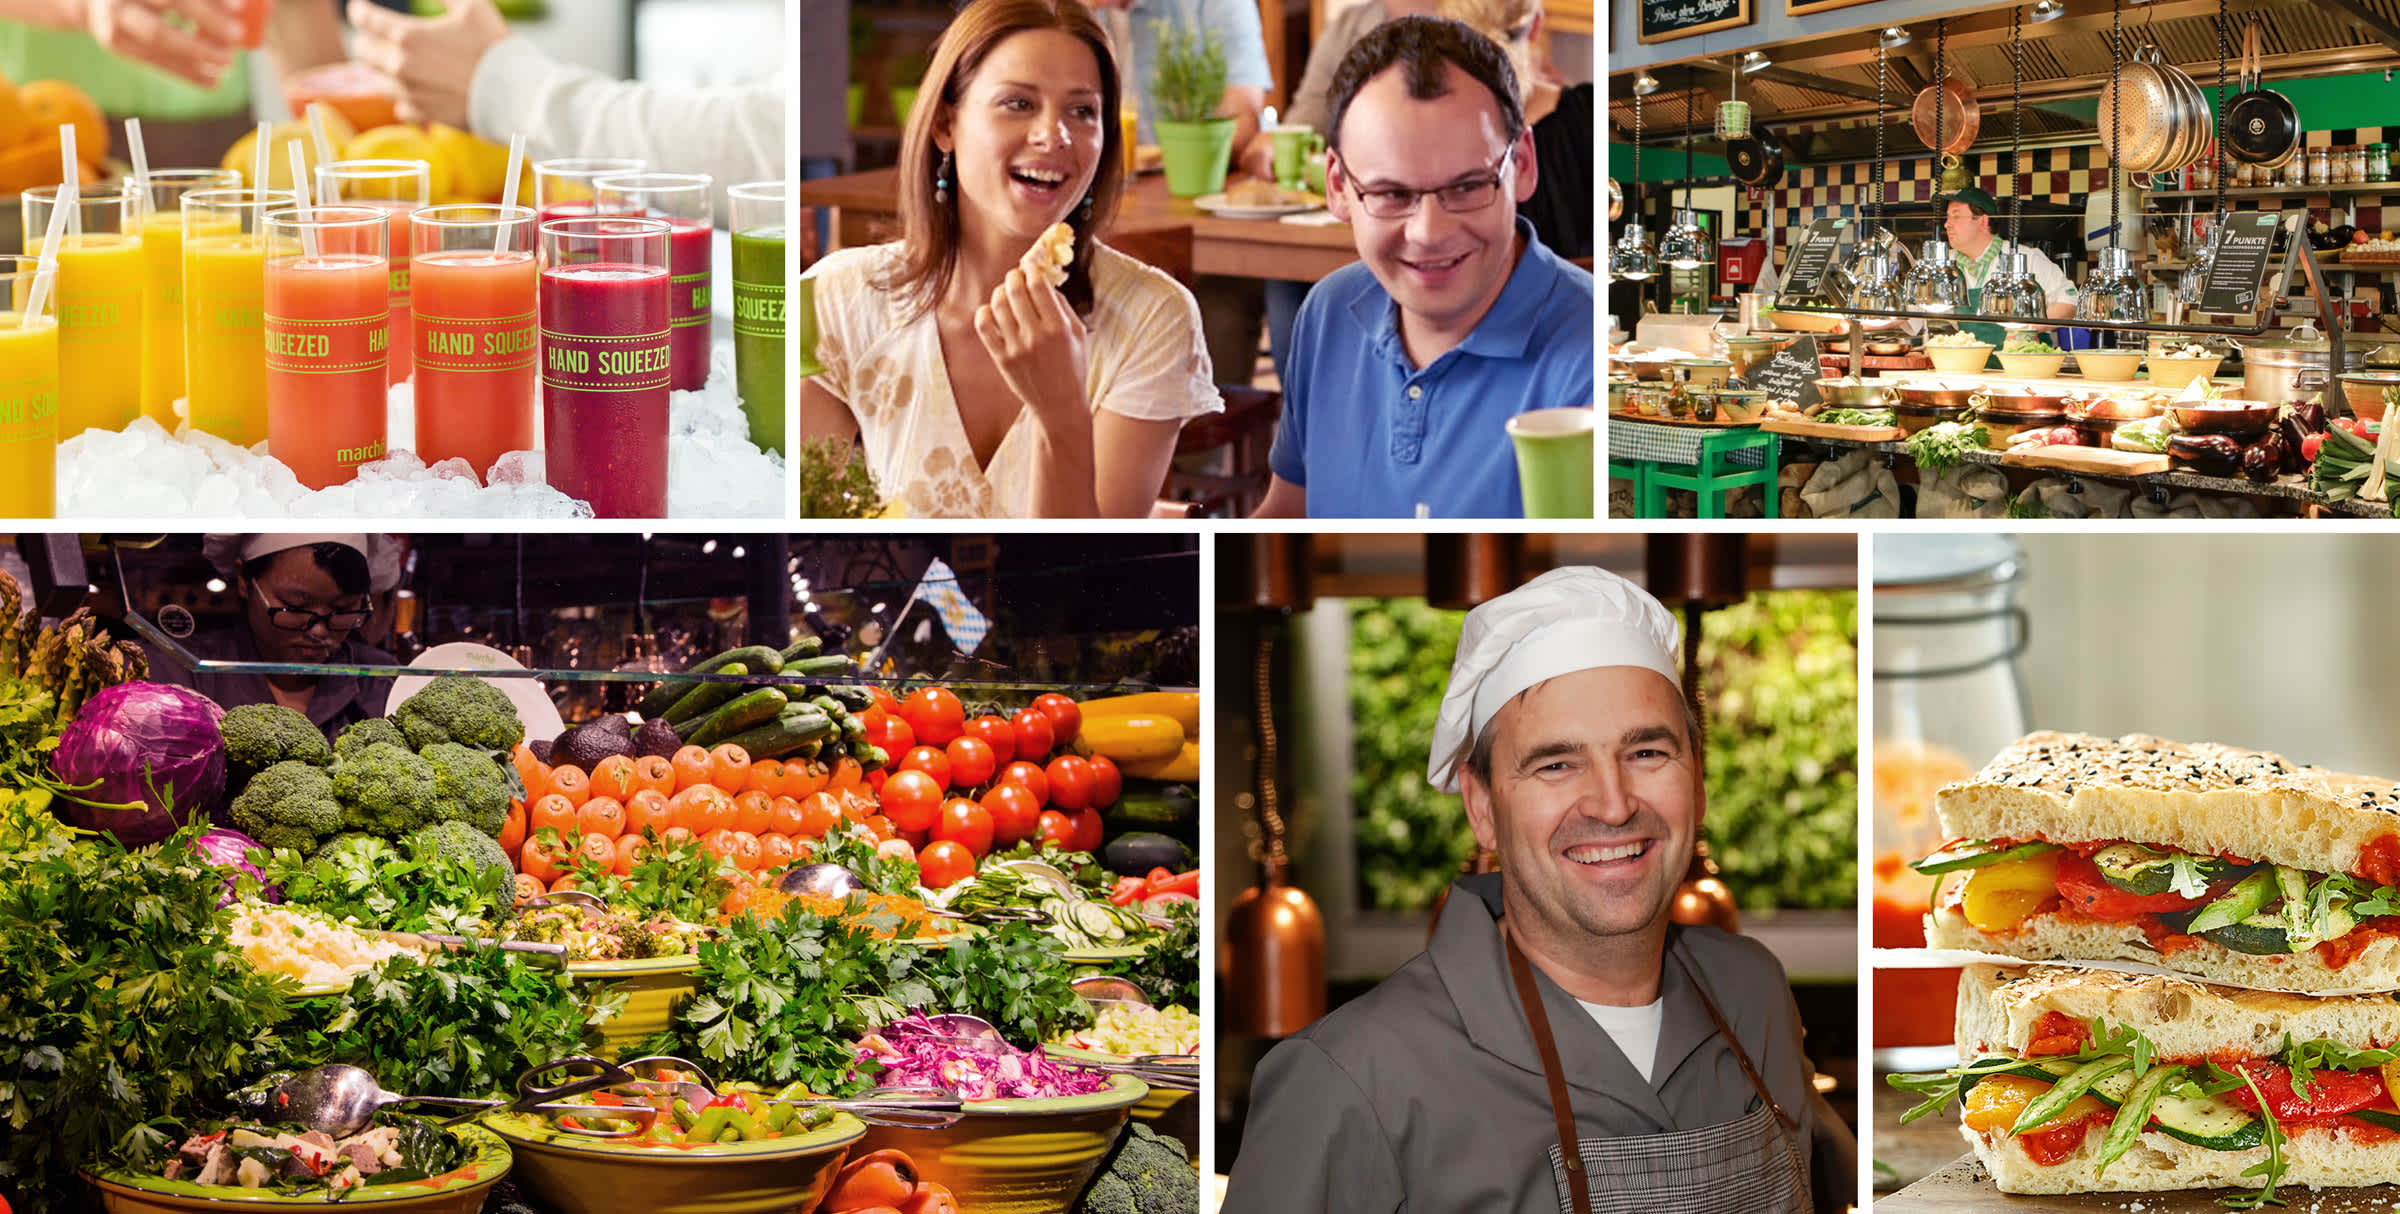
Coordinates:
<point>978,387</point>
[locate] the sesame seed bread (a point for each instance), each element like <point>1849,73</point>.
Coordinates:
<point>2055,937</point>
<point>2204,799</point>
<point>1999,1005</point>
<point>2316,1158</point>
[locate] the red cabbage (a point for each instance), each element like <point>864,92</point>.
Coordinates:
<point>914,1053</point>
<point>142,759</point>
<point>227,848</point>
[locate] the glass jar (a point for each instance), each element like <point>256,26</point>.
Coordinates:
<point>2245,174</point>
<point>2320,167</point>
<point>2356,157</point>
<point>2379,162</point>
<point>2295,172</point>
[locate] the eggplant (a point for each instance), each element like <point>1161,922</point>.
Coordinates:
<point>2312,416</point>
<point>2208,454</point>
<point>2293,432</point>
<point>2263,459</point>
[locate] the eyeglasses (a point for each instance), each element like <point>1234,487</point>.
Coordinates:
<point>1458,198</point>
<point>295,619</point>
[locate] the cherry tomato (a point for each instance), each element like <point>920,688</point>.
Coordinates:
<point>629,853</point>
<point>935,715</point>
<point>932,760</point>
<point>692,767</point>
<point>1058,828</point>
<point>553,812</point>
<point>912,800</point>
<point>1031,778</point>
<point>967,824</point>
<point>754,811</point>
<point>896,849</point>
<point>654,771</point>
<point>613,777</point>
<point>942,864</point>
<point>819,812</point>
<point>971,761</point>
<point>544,855</point>
<point>1016,813</point>
<point>888,731</point>
<point>598,849</point>
<point>996,733</point>
<point>705,809</point>
<point>1035,735</point>
<point>568,780</point>
<point>1107,782</point>
<point>805,778</point>
<point>1087,830</point>
<point>729,767</point>
<point>1066,716</point>
<point>1070,782</point>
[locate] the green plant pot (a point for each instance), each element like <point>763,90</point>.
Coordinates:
<point>855,101</point>
<point>1195,154</point>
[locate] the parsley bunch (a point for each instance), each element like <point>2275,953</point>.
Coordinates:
<point>461,1023</point>
<point>365,881</point>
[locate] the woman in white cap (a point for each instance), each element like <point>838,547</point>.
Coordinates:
<point>304,598</point>
<point>1558,1013</point>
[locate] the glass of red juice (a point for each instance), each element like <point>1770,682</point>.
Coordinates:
<point>605,362</point>
<point>328,322</point>
<point>562,189</point>
<point>682,199</point>
<point>476,291</point>
<point>399,188</point>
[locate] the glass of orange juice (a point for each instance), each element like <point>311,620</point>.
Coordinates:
<point>224,310</point>
<point>28,395</point>
<point>476,288</point>
<point>99,294</point>
<point>328,322</point>
<point>400,188</point>
<point>163,228</point>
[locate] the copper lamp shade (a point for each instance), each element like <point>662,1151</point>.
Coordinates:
<point>1275,960</point>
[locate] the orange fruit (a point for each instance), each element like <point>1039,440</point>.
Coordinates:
<point>648,811</point>
<point>691,767</point>
<point>729,767</point>
<point>554,812</point>
<point>754,812</point>
<point>568,780</point>
<point>31,163</point>
<point>56,103</point>
<point>629,853</point>
<point>655,771</point>
<point>613,777</point>
<point>15,124</point>
<point>604,816</point>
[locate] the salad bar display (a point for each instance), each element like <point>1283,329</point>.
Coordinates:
<point>795,939</point>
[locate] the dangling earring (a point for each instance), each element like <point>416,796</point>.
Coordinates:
<point>941,181</point>
<point>1087,208</point>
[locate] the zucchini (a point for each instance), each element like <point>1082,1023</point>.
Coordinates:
<point>654,706</point>
<point>2063,1093</point>
<point>852,696</point>
<point>1183,767</point>
<point>832,663</point>
<point>746,712</point>
<point>793,728</point>
<point>1979,852</point>
<point>805,647</point>
<point>2208,1121</point>
<point>2239,903</point>
<point>2146,870</point>
<point>699,701</point>
<point>1184,706</point>
<point>2268,934</point>
<point>1134,738</point>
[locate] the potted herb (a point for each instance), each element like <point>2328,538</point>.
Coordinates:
<point>1193,141</point>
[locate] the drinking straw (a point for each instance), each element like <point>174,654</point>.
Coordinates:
<point>70,182</point>
<point>44,270</point>
<point>308,234</point>
<point>141,159</point>
<point>316,130</point>
<point>258,174</point>
<point>508,190</point>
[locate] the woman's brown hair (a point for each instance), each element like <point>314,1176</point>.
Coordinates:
<point>929,229</point>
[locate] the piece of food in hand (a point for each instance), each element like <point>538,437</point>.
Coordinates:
<point>2232,865</point>
<point>2074,1081</point>
<point>1050,255</point>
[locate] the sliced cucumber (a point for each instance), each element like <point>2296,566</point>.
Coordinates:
<point>1096,923</point>
<point>2063,1093</point>
<point>1977,853</point>
<point>2208,1121</point>
<point>2260,935</point>
<point>2245,899</point>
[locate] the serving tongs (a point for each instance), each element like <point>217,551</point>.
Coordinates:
<point>342,1100</point>
<point>912,1108</point>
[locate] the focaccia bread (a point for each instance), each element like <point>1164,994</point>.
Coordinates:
<point>2374,967</point>
<point>1051,254</point>
<point>2000,1007</point>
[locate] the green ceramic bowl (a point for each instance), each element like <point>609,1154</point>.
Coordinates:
<point>1168,1111</point>
<point>456,1192</point>
<point>651,986</point>
<point>578,1174</point>
<point>1018,1156</point>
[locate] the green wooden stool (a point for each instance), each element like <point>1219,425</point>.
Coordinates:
<point>1635,470</point>
<point>1716,476</point>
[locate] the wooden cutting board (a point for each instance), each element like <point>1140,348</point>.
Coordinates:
<point>1856,434</point>
<point>1965,1188</point>
<point>2097,461</point>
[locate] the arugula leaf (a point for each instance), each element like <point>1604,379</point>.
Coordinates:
<point>2308,1057</point>
<point>2269,1169</point>
<point>2184,876</point>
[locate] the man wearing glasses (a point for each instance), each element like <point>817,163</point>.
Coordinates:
<point>303,597</point>
<point>1405,367</point>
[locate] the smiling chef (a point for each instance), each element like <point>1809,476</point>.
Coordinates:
<point>1560,1044</point>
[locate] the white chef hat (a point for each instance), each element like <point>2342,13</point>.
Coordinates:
<point>1566,620</point>
<point>228,553</point>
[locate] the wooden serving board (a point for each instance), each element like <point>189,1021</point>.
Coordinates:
<point>1693,423</point>
<point>2098,461</point>
<point>1856,434</point>
<point>1965,1188</point>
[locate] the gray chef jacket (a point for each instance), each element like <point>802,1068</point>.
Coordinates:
<point>1426,1093</point>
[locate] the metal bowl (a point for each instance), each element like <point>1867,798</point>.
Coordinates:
<point>1865,394</point>
<point>2226,416</point>
<point>1912,418</point>
<point>1928,395</point>
<point>2364,390</point>
<point>2111,410</point>
<point>2024,400</point>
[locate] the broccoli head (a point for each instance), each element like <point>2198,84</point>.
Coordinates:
<point>461,709</point>
<point>468,786</point>
<point>290,804</point>
<point>384,790</point>
<point>457,841</point>
<point>258,736</point>
<point>1144,1174</point>
<point>359,735</point>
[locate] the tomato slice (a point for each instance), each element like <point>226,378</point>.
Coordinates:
<point>2087,893</point>
<point>2329,1092</point>
<point>2057,1033</point>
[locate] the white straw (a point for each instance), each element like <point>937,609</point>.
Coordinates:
<point>308,234</point>
<point>45,270</point>
<point>508,190</point>
<point>258,175</point>
<point>316,130</point>
<point>141,158</point>
<point>70,182</point>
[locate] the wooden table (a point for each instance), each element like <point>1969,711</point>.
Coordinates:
<point>867,207</point>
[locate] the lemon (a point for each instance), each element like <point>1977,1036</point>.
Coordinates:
<point>476,165</point>
<point>239,157</point>
<point>402,141</point>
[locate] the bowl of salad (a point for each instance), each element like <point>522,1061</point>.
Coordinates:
<point>2109,366</point>
<point>1957,353</point>
<point>404,1165</point>
<point>1123,1030</point>
<point>2175,366</point>
<point>740,1154</point>
<point>2031,357</point>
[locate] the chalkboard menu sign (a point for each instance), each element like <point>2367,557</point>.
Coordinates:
<point>1791,375</point>
<point>1804,270</point>
<point>2245,243</point>
<point>1667,20</point>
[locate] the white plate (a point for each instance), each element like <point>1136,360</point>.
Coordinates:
<point>1215,204</point>
<point>533,703</point>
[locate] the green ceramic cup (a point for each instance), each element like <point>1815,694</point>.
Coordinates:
<point>1554,461</point>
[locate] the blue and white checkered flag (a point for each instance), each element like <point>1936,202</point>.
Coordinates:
<point>966,624</point>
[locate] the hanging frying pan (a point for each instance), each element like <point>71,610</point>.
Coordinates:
<point>1756,158</point>
<point>2261,125</point>
<point>1962,117</point>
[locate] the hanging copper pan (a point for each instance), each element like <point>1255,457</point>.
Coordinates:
<point>1962,117</point>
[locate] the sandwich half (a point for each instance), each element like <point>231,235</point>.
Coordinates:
<point>2077,1081</point>
<point>2231,865</point>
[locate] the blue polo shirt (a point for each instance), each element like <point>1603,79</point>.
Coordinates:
<point>1370,436</point>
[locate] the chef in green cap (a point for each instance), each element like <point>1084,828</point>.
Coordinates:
<point>1967,224</point>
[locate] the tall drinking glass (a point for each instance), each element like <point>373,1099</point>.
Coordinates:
<point>682,200</point>
<point>328,327</point>
<point>224,310</point>
<point>756,221</point>
<point>605,362</point>
<point>476,285</point>
<point>562,189</point>
<point>400,189</point>
<point>163,228</point>
<point>28,395</point>
<point>99,293</point>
